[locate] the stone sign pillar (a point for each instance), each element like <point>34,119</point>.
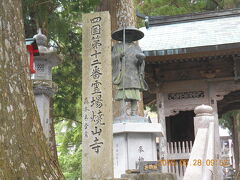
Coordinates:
<point>97,160</point>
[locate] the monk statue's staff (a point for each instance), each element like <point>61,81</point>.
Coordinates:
<point>123,71</point>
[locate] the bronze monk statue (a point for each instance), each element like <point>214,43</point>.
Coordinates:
<point>128,67</point>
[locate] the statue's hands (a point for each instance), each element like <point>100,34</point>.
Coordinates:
<point>121,56</point>
<point>140,57</point>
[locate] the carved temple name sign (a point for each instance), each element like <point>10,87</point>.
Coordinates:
<point>97,97</point>
<point>186,95</point>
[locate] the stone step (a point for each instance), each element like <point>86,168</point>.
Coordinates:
<point>150,176</point>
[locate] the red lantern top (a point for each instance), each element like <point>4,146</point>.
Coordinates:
<point>33,51</point>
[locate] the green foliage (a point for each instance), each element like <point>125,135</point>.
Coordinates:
<point>60,20</point>
<point>68,136</point>
<point>214,4</point>
<point>60,15</point>
<point>171,7</point>
<point>177,7</point>
<point>226,120</point>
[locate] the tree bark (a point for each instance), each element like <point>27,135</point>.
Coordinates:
<point>230,4</point>
<point>238,137</point>
<point>24,153</point>
<point>125,13</point>
<point>235,141</point>
<point>52,140</point>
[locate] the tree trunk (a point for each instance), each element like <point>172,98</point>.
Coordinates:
<point>122,15</point>
<point>24,153</point>
<point>238,136</point>
<point>52,140</point>
<point>235,141</point>
<point>125,13</point>
<point>230,4</point>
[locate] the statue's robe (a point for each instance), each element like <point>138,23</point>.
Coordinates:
<point>129,78</point>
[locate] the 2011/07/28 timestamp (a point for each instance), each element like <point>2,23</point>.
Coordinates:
<point>196,162</point>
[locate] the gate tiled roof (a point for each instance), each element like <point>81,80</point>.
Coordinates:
<point>216,32</point>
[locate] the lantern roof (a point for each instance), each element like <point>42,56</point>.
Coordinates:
<point>47,53</point>
<point>40,38</point>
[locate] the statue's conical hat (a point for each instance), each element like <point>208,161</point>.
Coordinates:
<point>131,34</point>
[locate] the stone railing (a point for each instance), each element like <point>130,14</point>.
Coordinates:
<point>178,155</point>
<point>179,150</point>
<point>177,167</point>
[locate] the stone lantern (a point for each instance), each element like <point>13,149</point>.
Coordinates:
<point>46,61</point>
<point>43,87</point>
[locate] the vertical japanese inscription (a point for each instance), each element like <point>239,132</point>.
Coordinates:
<point>96,85</point>
<point>97,96</point>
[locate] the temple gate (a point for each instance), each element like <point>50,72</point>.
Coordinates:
<point>192,60</point>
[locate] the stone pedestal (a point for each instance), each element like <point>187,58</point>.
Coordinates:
<point>43,91</point>
<point>134,142</point>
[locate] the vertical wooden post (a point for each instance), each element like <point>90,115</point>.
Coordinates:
<point>97,160</point>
